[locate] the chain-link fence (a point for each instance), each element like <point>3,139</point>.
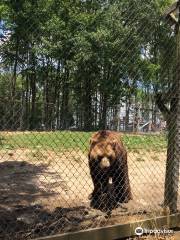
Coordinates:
<point>68,70</point>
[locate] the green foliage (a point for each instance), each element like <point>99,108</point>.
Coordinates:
<point>68,57</point>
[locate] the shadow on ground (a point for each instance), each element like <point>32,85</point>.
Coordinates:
<point>20,215</point>
<point>27,222</point>
<point>23,214</point>
<point>18,182</point>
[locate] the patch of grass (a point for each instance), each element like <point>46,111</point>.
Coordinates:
<point>77,159</point>
<point>145,142</point>
<point>60,140</point>
<point>37,155</point>
<point>137,151</point>
<point>8,146</point>
<point>4,144</point>
<point>155,158</point>
<point>140,159</point>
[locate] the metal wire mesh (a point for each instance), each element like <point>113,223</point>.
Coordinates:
<point>68,71</point>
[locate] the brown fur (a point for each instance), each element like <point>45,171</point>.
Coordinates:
<point>108,145</point>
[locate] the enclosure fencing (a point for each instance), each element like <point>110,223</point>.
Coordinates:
<point>89,114</point>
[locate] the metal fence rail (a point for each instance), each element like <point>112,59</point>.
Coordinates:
<point>89,116</point>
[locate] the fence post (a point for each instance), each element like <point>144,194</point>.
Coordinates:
<point>177,141</point>
<point>173,153</point>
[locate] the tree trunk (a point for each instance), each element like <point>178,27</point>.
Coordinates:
<point>103,121</point>
<point>136,116</point>
<point>26,118</point>
<point>95,110</point>
<point>65,100</point>
<point>173,153</point>
<point>88,119</point>
<point>128,105</point>
<point>12,119</point>
<point>33,92</point>
<point>170,198</point>
<point>172,117</point>
<point>23,106</point>
<point>57,96</point>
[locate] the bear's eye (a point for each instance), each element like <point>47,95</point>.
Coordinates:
<point>110,157</point>
<point>99,158</point>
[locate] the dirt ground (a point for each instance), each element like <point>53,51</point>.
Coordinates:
<point>46,192</point>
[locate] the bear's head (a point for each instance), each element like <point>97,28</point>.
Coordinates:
<point>104,148</point>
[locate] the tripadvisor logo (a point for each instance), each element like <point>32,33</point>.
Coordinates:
<point>139,231</point>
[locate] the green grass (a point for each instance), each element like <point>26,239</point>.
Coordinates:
<point>75,140</point>
<point>147,142</point>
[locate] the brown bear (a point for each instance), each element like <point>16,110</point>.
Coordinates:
<point>109,170</point>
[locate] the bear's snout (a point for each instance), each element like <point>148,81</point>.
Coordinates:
<point>104,163</point>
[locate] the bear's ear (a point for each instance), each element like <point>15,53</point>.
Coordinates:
<point>114,144</point>
<point>90,141</point>
<point>93,141</point>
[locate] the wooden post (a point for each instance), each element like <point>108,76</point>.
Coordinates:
<point>173,122</point>
<point>177,137</point>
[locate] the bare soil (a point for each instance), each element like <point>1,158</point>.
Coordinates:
<point>46,192</point>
